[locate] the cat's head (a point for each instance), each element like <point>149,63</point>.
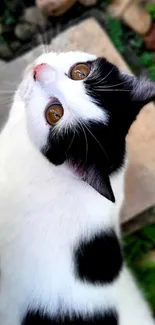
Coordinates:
<point>79,109</point>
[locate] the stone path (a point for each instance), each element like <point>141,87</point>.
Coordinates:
<point>88,36</point>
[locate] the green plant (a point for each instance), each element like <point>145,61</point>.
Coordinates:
<point>148,60</point>
<point>115,31</point>
<point>1,39</point>
<point>137,247</point>
<point>145,275</point>
<point>152,73</point>
<point>137,42</point>
<point>104,3</point>
<point>150,7</point>
<point>8,18</point>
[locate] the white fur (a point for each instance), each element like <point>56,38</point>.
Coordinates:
<point>45,210</point>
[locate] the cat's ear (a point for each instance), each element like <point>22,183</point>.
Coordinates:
<point>100,181</point>
<point>143,91</point>
<point>138,92</point>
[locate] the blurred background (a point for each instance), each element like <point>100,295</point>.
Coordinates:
<point>124,32</point>
<point>129,24</point>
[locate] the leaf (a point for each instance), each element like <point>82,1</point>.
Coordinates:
<point>137,248</point>
<point>115,30</point>
<point>146,59</point>
<point>150,7</point>
<point>152,73</point>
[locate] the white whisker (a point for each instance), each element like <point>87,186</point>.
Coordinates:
<point>70,143</point>
<point>108,74</point>
<point>104,78</point>
<point>86,141</point>
<point>105,155</point>
<point>39,37</point>
<point>119,84</point>
<point>105,89</point>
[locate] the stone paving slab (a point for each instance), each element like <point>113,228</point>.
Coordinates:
<point>11,74</point>
<point>88,36</point>
<point>2,64</point>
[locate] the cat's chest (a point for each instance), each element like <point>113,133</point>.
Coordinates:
<point>50,226</point>
<point>47,269</point>
<point>69,277</point>
<point>47,237</point>
<point>54,252</point>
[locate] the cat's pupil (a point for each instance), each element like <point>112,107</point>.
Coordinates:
<point>55,114</point>
<point>80,73</point>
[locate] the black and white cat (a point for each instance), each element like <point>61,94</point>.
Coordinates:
<point>62,166</point>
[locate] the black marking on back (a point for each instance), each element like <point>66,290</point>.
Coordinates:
<point>100,259</point>
<point>38,318</point>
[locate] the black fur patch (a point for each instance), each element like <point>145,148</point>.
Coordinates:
<point>100,259</point>
<point>95,149</point>
<point>113,92</point>
<point>92,150</point>
<point>109,318</point>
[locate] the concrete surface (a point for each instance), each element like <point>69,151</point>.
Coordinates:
<point>88,36</point>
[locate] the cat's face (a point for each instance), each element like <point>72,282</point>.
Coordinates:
<point>79,109</point>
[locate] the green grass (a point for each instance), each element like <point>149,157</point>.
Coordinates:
<point>115,32</point>
<point>137,249</point>
<point>118,36</point>
<point>150,7</point>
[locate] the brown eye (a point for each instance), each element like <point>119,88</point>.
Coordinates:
<point>80,71</point>
<point>54,113</point>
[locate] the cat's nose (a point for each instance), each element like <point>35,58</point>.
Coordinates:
<point>44,73</point>
<point>38,70</point>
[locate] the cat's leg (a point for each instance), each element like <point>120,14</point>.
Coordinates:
<point>133,309</point>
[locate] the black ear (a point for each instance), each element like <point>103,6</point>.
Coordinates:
<point>99,181</point>
<point>143,91</point>
<point>136,93</point>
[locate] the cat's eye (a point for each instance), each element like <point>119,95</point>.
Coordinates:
<point>53,113</point>
<point>80,71</point>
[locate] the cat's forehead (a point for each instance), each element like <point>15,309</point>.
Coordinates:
<point>64,61</point>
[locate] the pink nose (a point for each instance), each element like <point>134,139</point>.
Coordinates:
<point>37,70</point>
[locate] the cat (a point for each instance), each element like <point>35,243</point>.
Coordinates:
<point>62,167</point>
